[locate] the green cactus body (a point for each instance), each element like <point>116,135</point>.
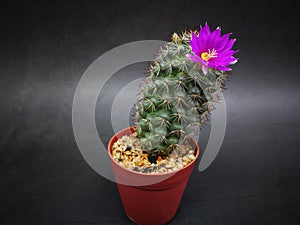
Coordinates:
<point>176,97</point>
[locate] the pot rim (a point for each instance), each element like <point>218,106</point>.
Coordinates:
<point>110,143</point>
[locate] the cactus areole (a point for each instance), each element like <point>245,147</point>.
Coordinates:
<point>182,87</point>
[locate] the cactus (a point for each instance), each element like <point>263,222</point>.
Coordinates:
<point>176,97</point>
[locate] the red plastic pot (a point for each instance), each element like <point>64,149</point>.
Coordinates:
<point>150,199</point>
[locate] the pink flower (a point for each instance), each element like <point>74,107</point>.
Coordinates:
<point>212,50</point>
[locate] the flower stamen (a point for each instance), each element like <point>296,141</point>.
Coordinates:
<point>210,54</point>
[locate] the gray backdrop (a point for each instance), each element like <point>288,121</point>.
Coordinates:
<point>45,48</point>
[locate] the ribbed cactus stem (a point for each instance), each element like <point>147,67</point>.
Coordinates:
<point>176,97</point>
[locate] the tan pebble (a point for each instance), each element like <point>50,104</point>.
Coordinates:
<point>131,164</point>
<point>185,158</point>
<point>179,165</point>
<point>137,159</point>
<point>168,166</point>
<point>161,170</point>
<point>163,161</point>
<point>139,163</point>
<point>191,157</point>
<point>172,160</point>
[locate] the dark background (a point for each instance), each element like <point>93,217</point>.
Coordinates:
<point>46,46</point>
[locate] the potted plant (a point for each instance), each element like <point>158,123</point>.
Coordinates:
<point>153,160</point>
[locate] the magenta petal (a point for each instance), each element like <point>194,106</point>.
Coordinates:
<point>225,69</point>
<point>194,58</point>
<point>229,45</point>
<point>212,41</point>
<point>206,29</point>
<point>194,44</point>
<point>229,61</point>
<point>234,62</point>
<point>227,53</point>
<point>222,68</point>
<point>225,62</point>
<point>223,42</point>
<point>203,37</point>
<point>218,33</point>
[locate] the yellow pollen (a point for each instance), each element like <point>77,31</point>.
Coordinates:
<point>208,55</point>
